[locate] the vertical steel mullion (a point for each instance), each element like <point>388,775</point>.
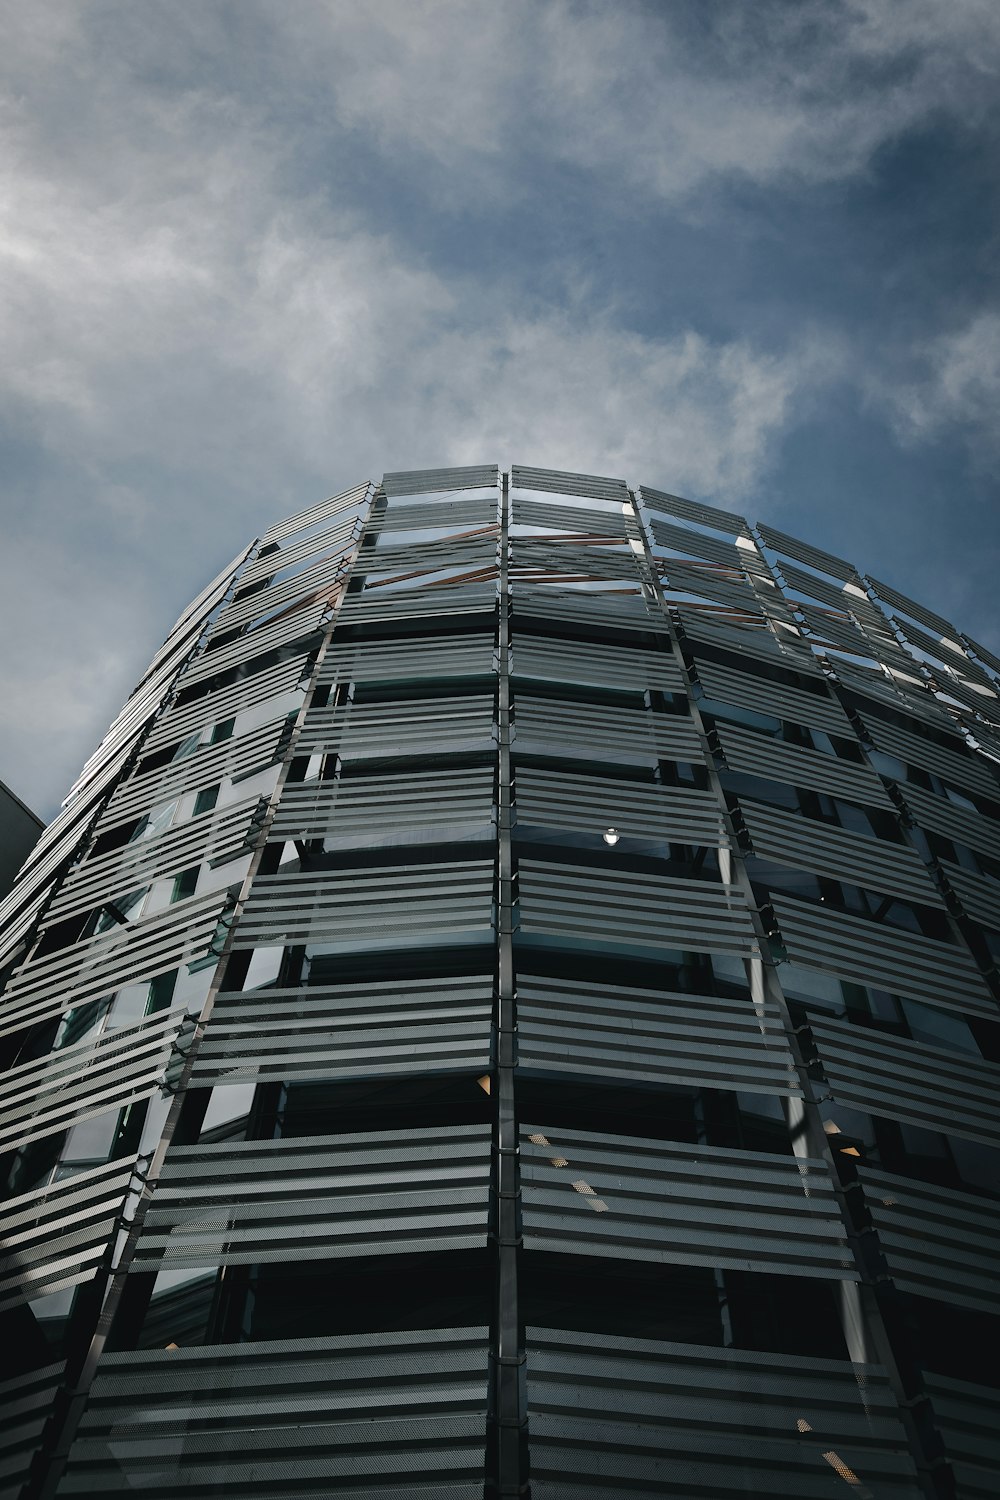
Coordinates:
<point>508,1456</point>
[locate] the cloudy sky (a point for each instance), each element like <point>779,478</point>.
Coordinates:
<point>256,250</point>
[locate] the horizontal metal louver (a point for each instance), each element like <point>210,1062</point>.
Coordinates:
<point>980,897</point>
<point>887,957</point>
<point>592,732</point>
<point>316,582</point>
<point>693,510</point>
<point>215,837</point>
<point>46,987</point>
<point>710,583</point>
<point>615,1417</point>
<point>349,501</point>
<point>699,1041</point>
<point>970,695</point>
<point>954,763</point>
<point>551,660</point>
<point>848,597</point>
<point>680,1204</point>
<point>628,911</point>
<point>363,909</point>
<point>590,804</point>
<point>384,1192</point>
<point>233,758</point>
<point>950,651</point>
<point>941,815</point>
<point>966,1417</point>
<point>562,560</point>
<point>696,544</point>
<point>439,515</point>
<point>763,696</point>
<point>556,482</point>
<point>836,630</point>
<point>421,726</point>
<point>25,1406</point>
<point>469,553</point>
<point>17,927</point>
<point>590,519</point>
<point>954,1092</point>
<point>911,607</point>
<point>751,637</point>
<point>984,653</point>
<point>337,541</point>
<point>401,1413</point>
<point>917,700</point>
<point>426,481</point>
<point>813,557</point>
<point>595,608</point>
<point>801,843</point>
<point>758,755</point>
<point>184,719</point>
<point>374,1030</point>
<point>76,1083</point>
<point>410,660</point>
<point>381,810</point>
<point>271,636</point>
<point>937,1242</point>
<point>420,603</point>
<point>58,1236</point>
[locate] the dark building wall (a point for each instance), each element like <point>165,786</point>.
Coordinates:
<point>19,830</point>
<point>520,972</point>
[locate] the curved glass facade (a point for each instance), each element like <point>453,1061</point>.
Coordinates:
<point>511,1006</point>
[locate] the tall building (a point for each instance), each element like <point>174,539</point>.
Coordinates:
<point>512,1002</point>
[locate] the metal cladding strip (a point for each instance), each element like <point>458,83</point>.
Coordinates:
<point>801,843</point>
<point>423,726</point>
<point>57,1236</point>
<point>201,607</point>
<point>749,638</point>
<point>409,660</point>
<point>230,759</point>
<point>692,510</point>
<point>657,1036</point>
<point>77,1083</point>
<point>533,558</point>
<point>688,578</point>
<point>594,608</point>
<point>182,720</point>
<point>325,546</point>
<point>16,929</point>
<point>966,1417</point>
<point>838,632</point>
<point>942,816</point>
<point>419,603</point>
<point>271,636</point>
<point>954,763</point>
<point>918,701</point>
<point>361,1415</point>
<point>431,481</point>
<point>745,690</point>
<point>595,732</point>
<point>556,482</point>
<point>632,911</point>
<point>438,515</point>
<point>644,810</point>
<point>214,837</point>
<point>594,520</point>
<point>391,1192</point>
<point>846,597</point>
<point>22,905</point>
<point>758,755</point>
<point>474,548</point>
<point>886,957</point>
<point>355,499</point>
<point>631,1198</point>
<point>372,1030</point>
<point>374,810</point>
<point>46,987</point>
<point>353,910</point>
<point>983,653</point>
<point>976,700</point>
<point>937,1242</point>
<point>980,896</point>
<point>548,659</point>
<point>696,544</point>
<point>25,1406</point>
<point>951,652</point>
<point>625,1419</point>
<point>245,610</point>
<point>954,1092</point>
<point>893,597</point>
<point>813,557</point>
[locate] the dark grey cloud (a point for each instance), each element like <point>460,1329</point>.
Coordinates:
<point>254,252</point>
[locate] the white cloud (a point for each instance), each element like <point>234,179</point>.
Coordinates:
<point>957,385</point>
